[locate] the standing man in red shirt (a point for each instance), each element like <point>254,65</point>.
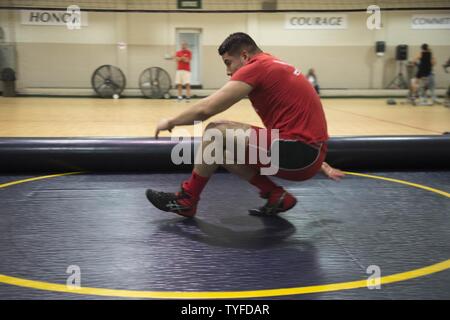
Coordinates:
<point>183,74</point>
<point>287,105</point>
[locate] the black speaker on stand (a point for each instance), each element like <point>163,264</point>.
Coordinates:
<point>401,52</point>
<point>401,55</point>
<point>380,48</point>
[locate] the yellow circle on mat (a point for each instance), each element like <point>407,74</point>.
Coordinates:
<point>41,285</point>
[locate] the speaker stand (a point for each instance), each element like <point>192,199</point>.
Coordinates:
<point>399,82</point>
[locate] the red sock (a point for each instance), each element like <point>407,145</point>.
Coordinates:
<point>194,186</point>
<point>263,183</point>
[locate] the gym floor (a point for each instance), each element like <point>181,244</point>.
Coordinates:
<point>78,117</point>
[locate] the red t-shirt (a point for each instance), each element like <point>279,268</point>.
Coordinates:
<point>181,64</point>
<point>284,99</point>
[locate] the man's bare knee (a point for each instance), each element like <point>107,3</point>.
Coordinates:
<point>215,132</point>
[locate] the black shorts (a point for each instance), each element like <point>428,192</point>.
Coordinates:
<point>422,74</point>
<point>297,155</point>
<point>297,160</point>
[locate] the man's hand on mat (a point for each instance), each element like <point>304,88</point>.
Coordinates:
<point>163,124</point>
<point>331,172</point>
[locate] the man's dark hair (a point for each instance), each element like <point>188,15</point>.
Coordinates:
<point>425,46</point>
<point>236,42</point>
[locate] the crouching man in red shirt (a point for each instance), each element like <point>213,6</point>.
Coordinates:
<point>295,129</point>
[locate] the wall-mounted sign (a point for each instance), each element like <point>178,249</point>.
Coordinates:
<point>430,21</point>
<point>189,4</point>
<point>53,18</point>
<point>315,21</point>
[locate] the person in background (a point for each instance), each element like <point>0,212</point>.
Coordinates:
<point>425,62</point>
<point>183,74</point>
<point>447,95</point>
<point>312,78</point>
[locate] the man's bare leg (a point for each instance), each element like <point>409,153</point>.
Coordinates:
<point>188,91</point>
<point>278,199</point>
<point>414,87</point>
<point>207,170</point>
<point>179,88</point>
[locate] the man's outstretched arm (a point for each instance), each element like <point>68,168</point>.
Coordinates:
<point>216,103</point>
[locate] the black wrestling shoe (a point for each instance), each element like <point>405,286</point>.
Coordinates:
<point>279,200</point>
<point>180,203</point>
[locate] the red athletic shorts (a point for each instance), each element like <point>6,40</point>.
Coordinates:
<point>297,160</point>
